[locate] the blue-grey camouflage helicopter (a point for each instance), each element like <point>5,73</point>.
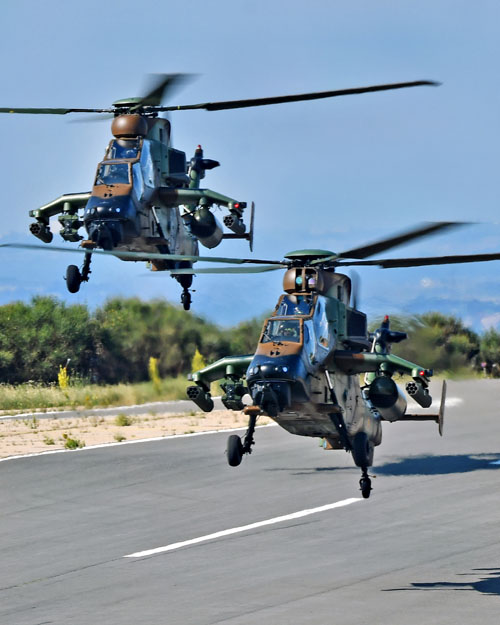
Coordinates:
<point>146,200</point>
<point>305,372</point>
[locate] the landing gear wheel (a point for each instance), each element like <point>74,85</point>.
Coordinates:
<point>186,300</point>
<point>362,450</point>
<point>234,450</point>
<point>73,278</point>
<point>365,484</point>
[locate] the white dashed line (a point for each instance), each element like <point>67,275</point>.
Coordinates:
<point>244,528</point>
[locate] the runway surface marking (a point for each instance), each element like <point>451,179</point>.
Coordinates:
<point>244,528</point>
<point>173,406</point>
<point>450,403</point>
<point>57,413</point>
<point>139,440</point>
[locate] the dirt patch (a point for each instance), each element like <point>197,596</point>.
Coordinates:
<point>26,436</point>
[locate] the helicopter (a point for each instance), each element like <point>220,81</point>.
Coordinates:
<point>146,197</point>
<point>305,372</point>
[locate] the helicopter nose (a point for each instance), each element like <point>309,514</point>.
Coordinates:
<point>272,397</point>
<point>275,382</point>
<point>106,236</point>
<point>116,207</point>
<point>105,211</point>
<point>111,221</point>
<point>283,368</point>
<point>108,211</point>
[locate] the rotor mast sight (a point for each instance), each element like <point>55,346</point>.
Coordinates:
<point>308,275</point>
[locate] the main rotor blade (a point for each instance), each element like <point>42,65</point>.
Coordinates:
<point>318,95</point>
<point>417,232</point>
<point>162,86</point>
<point>171,81</point>
<point>51,111</point>
<point>194,270</point>
<point>145,256</point>
<point>392,263</point>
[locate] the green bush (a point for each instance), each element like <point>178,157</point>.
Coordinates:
<point>72,443</point>
<point>436,341</point>
<point>123,420</point>
<point>113,344</point>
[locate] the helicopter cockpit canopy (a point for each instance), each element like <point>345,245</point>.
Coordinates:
<point>124,148</point>
<point>294,305</point>
<point>147,165</point>
<point>282,330</point>
<point>113,173</point>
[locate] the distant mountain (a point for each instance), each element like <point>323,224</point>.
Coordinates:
<point>470,292</point>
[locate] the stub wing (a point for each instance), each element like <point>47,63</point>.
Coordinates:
<point>230,369</point>
<point>366,362</point>
<point>169,196</point>
<point>62,203</point>
<point>66,206</point>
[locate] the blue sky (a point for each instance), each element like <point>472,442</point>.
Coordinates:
<point>329,174</point>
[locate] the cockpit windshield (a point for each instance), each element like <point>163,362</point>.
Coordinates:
<point>116,173</point>
<point>123,148</point>
<point>282,330</point>
<point>295,305</point>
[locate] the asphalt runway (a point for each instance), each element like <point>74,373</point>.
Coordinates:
<point>425,548</point>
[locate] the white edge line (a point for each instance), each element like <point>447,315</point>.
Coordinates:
<point>139,440</point>
<point>77,412</point>
<point>244,528</point>
<point>450,402</point>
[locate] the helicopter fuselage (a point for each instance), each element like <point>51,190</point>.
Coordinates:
<point>294,365</point>
<point>305,372</point>
<point>145,201</point>
<point>125,211</point>
<point>137,119</point>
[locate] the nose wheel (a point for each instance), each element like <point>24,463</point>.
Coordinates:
<point>236,448</point>
<point>185,280</point>
<point>74,277</point>
<point>186,299</point>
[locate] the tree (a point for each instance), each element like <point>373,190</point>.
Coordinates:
<point>244,337</point>
<point>436,341</point>
<point>37,338</point>
<point>132,331</point>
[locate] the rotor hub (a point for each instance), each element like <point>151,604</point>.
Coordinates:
<point>305,257</point>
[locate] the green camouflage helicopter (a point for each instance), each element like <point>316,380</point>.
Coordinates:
<point>146,199</point>
<point>305,372</point>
